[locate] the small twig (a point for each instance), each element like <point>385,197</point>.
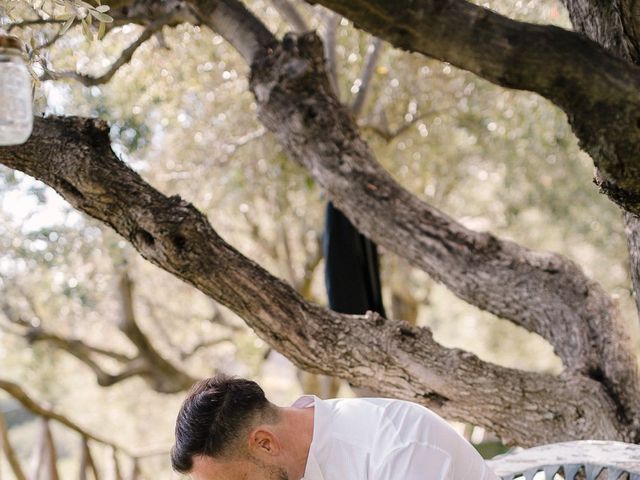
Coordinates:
<point>38,21</point>
<point>125,57</point>
<point>373,54</point>
<point>389,135</point>
<point>184,355</point>
<point>331,27</point>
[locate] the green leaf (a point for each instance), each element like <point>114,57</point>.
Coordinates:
<point>102,17</point>
<point>67,25</point>
<point>102,30</point>
<point>86,31</point>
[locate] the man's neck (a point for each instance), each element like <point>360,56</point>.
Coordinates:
<point>298,426</point>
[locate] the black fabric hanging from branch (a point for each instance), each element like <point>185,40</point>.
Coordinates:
<point>352,274</point>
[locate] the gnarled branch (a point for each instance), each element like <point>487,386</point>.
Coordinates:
<point>542,292</point>
<point>366,350</point>
<point>599,91</point>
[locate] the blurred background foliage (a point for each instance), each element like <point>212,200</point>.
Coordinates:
<point>181,115</point>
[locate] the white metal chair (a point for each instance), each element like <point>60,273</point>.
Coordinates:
<point>589,460</point>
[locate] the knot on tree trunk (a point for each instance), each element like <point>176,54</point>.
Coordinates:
<point>295,66</point>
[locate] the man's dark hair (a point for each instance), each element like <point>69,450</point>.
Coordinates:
<point>215,415</point>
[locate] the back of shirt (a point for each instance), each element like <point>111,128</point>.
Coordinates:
<point>386,439</point>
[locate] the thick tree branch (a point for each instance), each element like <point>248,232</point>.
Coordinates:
<point>531,289</point>
<point>613,25</point>
<point>599,91</point>
<point>73,156</point>
<point>542,292</point>
<point>236,24</point>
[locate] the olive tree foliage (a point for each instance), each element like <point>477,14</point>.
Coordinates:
<point>395,140</point>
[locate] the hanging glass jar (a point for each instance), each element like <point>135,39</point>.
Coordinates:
<point>16,105</point>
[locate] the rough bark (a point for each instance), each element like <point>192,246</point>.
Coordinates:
<point>531,289</point>
<point>542,292</point>
<point>614,25</point>
<point>598,90</point>
<point>232,20</point>
<point>74,157</point>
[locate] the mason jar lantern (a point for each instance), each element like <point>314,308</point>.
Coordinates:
<point>16,109</point>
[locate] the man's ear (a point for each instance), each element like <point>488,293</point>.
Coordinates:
<point>263,441</point>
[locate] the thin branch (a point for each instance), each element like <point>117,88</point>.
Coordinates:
<point>164,375</point>
<point>382,130</point>
<point>125,57</point>
<point>312,260</point>
<point>48,43</point>
<point>51,454</point>
<point>37,21</point>
<point>364,81</point>
<point>9,452</point>
<point>148,363</point>
<point>77,347</point>
<point>185,355</point>
<point>330,33</point>
<point>34,407</point>
<point>87,464</point>
<point>115,465</point>
<point>291,15</point>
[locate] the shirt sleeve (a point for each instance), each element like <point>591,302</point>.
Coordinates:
<point>423,461</point>
<point>415,461</point>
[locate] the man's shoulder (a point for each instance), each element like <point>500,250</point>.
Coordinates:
<point>377,403</point>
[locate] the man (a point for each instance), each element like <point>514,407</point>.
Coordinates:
<point>227,430</point>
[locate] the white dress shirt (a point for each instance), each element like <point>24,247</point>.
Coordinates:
<point>386,439</point>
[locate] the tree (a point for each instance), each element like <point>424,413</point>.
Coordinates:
<point>590,74</point>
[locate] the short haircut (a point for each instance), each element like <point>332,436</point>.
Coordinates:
<point>215,415</point>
